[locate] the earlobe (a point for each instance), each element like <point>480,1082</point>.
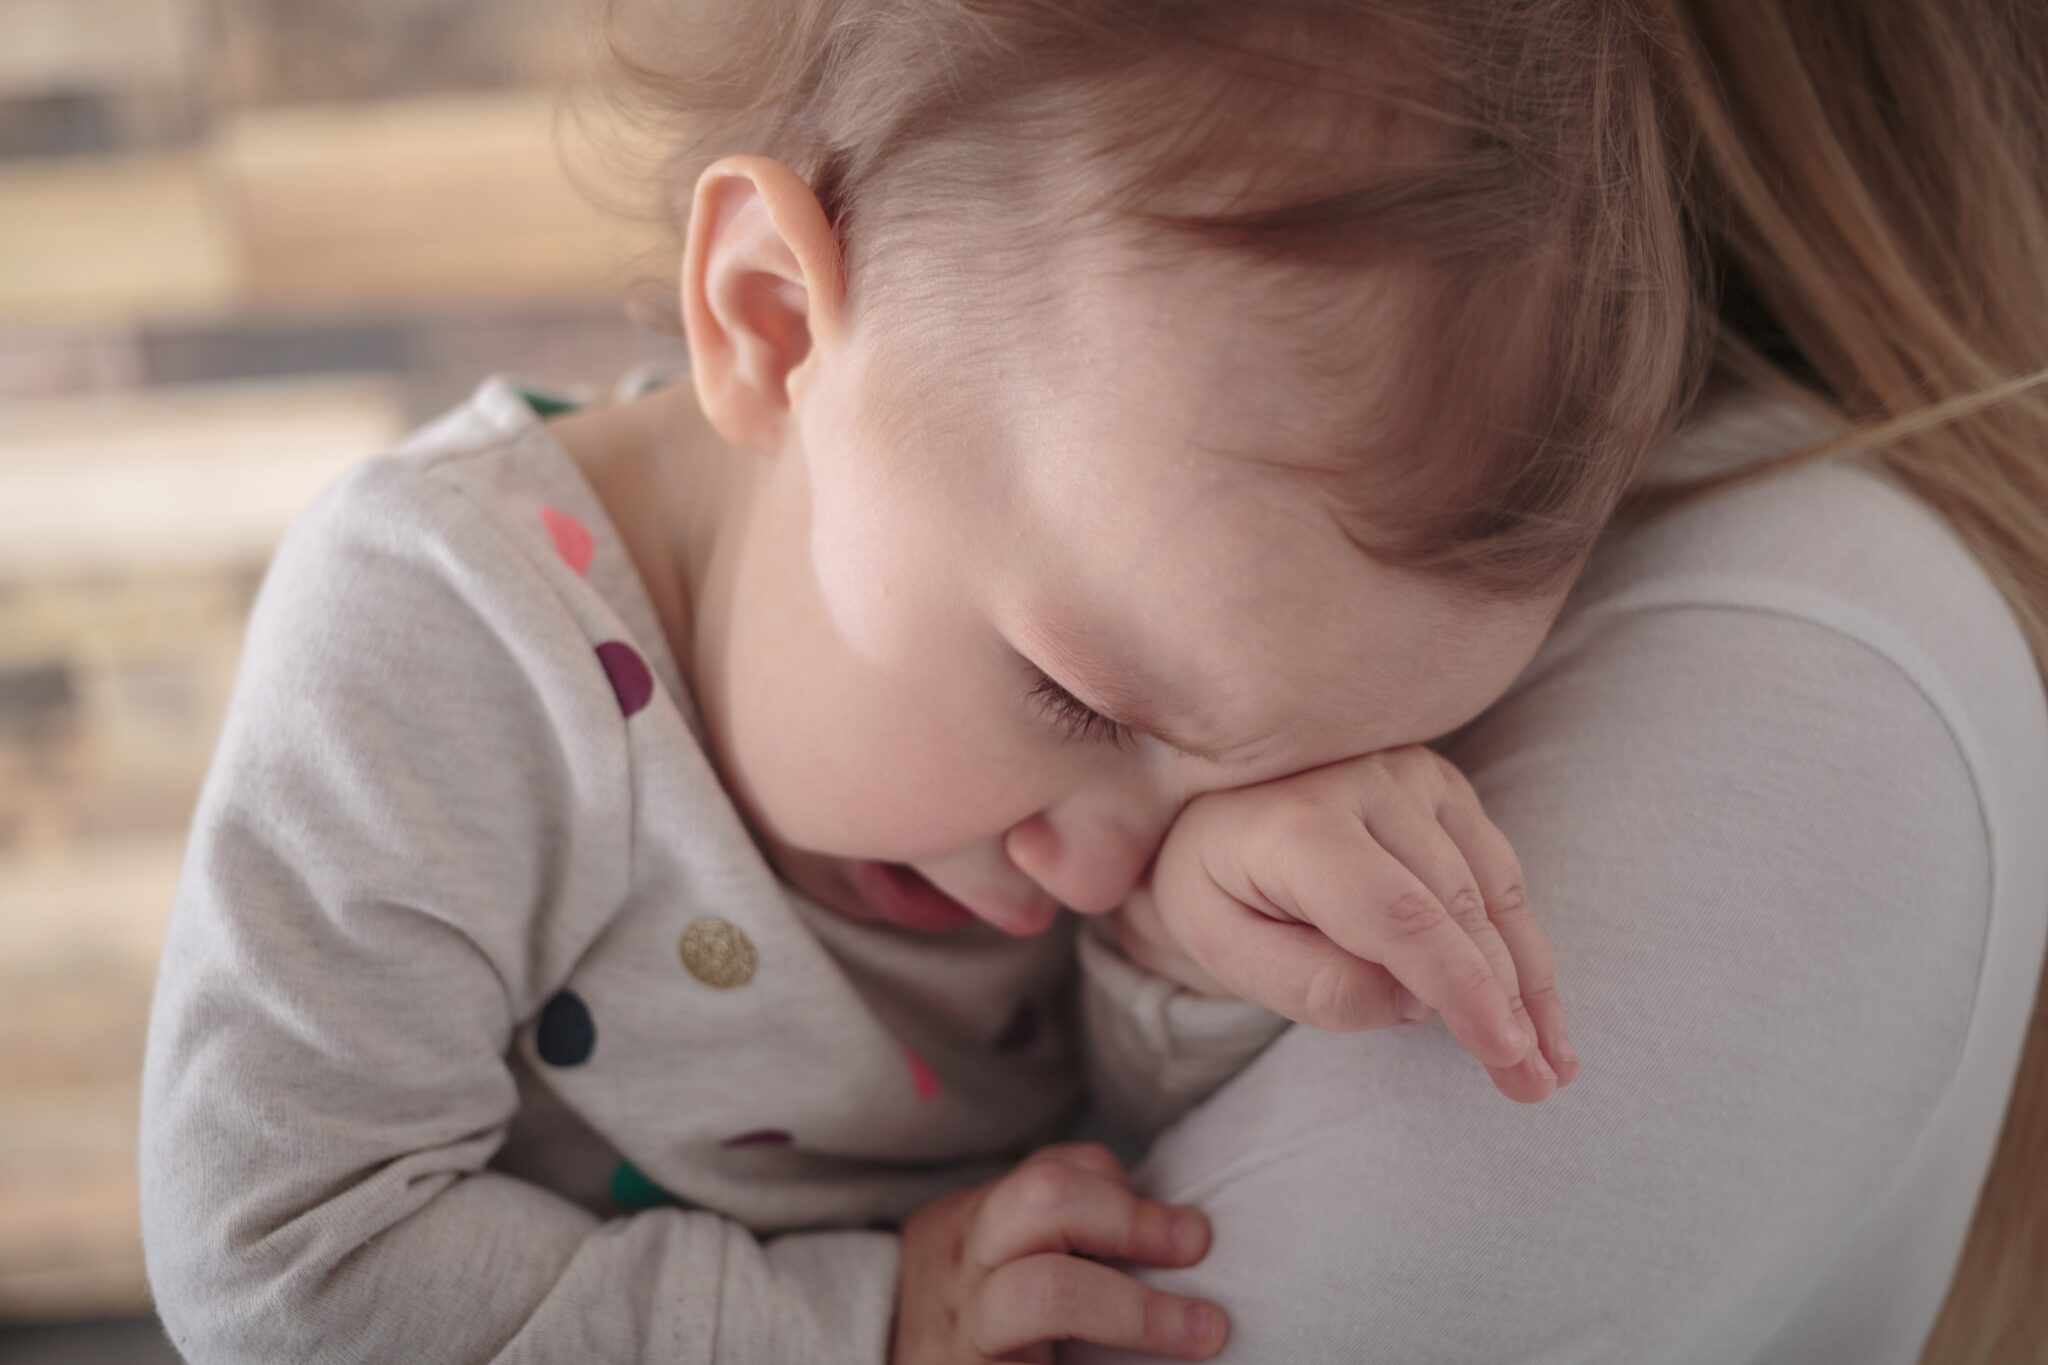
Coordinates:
<point>762,289</point>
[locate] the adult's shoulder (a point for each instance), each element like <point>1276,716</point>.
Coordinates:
<point>1844,550</point>
<point>1770,780</point>
<point>1837,543</point>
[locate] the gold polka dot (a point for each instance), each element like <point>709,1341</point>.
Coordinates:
<point>717,953</point>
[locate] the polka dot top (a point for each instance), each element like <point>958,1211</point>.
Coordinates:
<point>483,1030</point>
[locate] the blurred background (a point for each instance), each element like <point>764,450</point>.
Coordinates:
<point>243,244</point>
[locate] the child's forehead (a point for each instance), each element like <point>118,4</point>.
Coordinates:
<point>1134,408</point>
<point>1134,548</point>
<point>1199,357</point>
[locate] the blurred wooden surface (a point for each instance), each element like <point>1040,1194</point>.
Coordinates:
<point>58,45</point>
<point>80,926</point>
<point>430,200</point>
<point>424,202</point>
<point>192,476</point>
<point>243,243</point>
<point>113,242</point>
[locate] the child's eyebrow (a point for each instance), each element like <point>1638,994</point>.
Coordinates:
<point>1118,690</point>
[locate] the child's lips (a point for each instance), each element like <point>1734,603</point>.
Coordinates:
<point>900,895</point>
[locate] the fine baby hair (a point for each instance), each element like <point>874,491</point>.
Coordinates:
<point>1462,215</point>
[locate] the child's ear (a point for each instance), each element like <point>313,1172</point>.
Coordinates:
<point>762,288</point>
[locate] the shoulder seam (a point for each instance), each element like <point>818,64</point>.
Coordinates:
<point>432,476</point>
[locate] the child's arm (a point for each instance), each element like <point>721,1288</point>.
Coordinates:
<point>415,818</point>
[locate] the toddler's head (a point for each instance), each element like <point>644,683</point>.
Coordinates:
<point>1098,402</point>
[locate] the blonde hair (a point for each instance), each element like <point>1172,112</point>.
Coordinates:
<point>1587,204</point>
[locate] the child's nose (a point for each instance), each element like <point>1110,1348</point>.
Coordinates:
<point>1089,859</point>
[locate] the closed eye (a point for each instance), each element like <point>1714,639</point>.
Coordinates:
<point>1076,717</point>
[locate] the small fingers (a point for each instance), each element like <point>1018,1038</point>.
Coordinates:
<point>1057,1206</point>
<point>1092,1156</point>
<point>1334,874</point>
<point>1419,839</point>
<point>1499,872</point>
<point>1051,1297</point>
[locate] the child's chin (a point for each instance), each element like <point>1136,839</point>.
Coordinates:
<point>1030,924</point>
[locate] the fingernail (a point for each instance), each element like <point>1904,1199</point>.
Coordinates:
<point>1543,1067</point>
<point>1408,1006</point>
<point>1187,1233</point>
<point>1201,1322</point>
<point>1514,1037</point>
<point>1564,1048</point>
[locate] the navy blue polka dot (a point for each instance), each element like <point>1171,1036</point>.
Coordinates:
<point>1021,1030</point>
<point>567,1034</point>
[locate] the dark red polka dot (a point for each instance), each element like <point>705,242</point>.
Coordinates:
<point>628,672</point>
<point>760,1137</point>
<point>1022,1030</point>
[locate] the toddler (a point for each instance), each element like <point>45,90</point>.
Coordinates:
<point>623,918</point>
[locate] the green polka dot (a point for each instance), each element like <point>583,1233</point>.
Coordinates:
<point>632,1190</point>
<point>543,402</point>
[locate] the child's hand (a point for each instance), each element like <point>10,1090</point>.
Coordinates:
<point>997,1272</point>
<point>1322,894</point>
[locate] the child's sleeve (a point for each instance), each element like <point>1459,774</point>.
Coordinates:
<point>417,817</point>
<point>1154,1049</point>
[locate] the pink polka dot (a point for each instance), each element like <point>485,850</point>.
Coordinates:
<point>760,1137</point>
<point>921,1075</point>
<point>628,671</point>
<point>572,540</point>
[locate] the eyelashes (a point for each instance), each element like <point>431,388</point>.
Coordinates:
<point>1077,718</point>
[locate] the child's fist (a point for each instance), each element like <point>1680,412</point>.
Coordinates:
<point>1323,894</point>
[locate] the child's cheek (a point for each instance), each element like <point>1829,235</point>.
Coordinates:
<point>857,719</point>
<point>861,570</point>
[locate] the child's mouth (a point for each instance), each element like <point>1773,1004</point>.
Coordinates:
<point>900,895</point>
